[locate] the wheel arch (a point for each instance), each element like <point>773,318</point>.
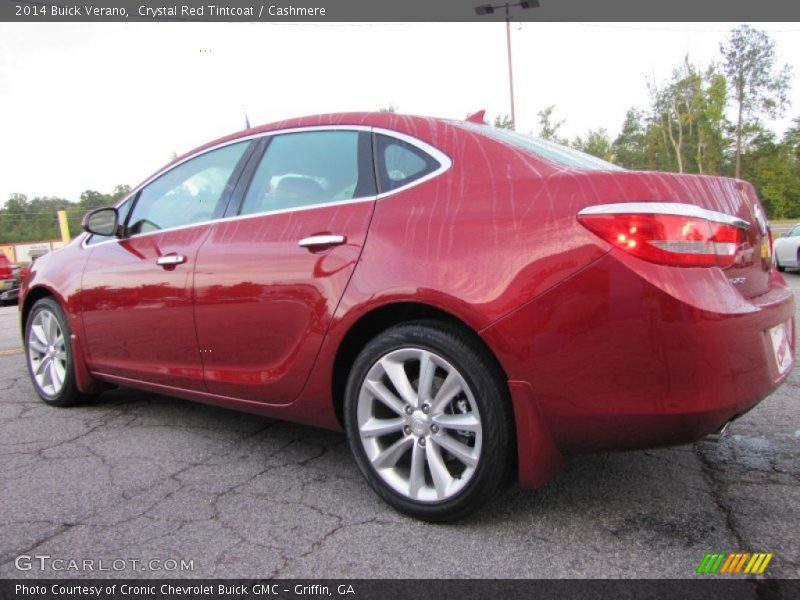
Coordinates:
<point>33,296</point>
<point>381,318</point>
<point>84,381</point>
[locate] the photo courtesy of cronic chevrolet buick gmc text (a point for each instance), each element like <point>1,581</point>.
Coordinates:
<point>467,303</point>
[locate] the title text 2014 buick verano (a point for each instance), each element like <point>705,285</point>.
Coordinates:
<point>467,303</point>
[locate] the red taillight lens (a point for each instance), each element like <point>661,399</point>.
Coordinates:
<point>676,240</point>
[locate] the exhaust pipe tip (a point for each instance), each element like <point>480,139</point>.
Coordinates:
<point>720,433</point>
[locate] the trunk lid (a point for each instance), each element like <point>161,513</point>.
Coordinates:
<point>750,272</point>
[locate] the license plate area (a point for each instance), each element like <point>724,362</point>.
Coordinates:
<point>781,348</point>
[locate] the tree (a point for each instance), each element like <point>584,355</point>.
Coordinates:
<point>630,147</point>
<point>388,109</point>
<point>16,203</point>
<point>24,220</point>
<point>758,87</point>
<point>711,141</point>
<point>791,152</point>
<point>770,166</point>
<point>686,124</point>
<point>597,143</point>
<point>503,122</point>
<point>547,129</point>
<point>792,139</point>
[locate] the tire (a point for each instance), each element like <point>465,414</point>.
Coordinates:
<point>48,354</point>
<point>435,442</point>
<point>778,265</point>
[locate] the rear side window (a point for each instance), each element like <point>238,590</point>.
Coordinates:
<point>398,163</point>
<point>556,153</point>
<point>309,169</point>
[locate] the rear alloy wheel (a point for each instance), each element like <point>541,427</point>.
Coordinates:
<point>49,354</point>
<point>428,421</point>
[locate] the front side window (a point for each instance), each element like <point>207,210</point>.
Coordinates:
<point>794,232</point>
<point>311,168</point>
<point>187,194</point>
<point>399,163</point>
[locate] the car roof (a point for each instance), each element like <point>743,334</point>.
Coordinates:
<point>410,124</point>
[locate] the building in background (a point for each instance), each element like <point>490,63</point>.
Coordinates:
<point>25,253</point>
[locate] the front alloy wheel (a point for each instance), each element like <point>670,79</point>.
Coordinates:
<point>428,421</point>
<point>47,353</point>
<point>50,361</point>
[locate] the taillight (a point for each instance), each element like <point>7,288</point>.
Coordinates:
<point>770,245</point>
<point>681,235</point>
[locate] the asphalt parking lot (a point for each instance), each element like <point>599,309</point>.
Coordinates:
<point>137,476</point>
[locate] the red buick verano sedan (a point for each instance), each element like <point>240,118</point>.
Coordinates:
<point>467,303</point>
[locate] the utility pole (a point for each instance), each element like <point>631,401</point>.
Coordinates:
<point>510,68</point>
<point>63,225</point>
<point>488,9</point>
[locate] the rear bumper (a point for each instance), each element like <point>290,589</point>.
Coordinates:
<point>626,354</point>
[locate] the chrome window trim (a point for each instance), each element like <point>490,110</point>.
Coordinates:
<point>444,161</point>
<point>238,218</point>
<point>665,208</point>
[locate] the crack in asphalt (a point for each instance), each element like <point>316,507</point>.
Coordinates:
<point>717,488</point>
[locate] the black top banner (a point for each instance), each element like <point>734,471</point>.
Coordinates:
<point>398,10</point>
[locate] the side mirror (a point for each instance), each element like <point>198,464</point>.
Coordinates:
<point>101,221</point>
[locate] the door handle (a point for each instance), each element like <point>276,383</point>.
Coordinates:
<point>170,260</point>
<point>316,241</point>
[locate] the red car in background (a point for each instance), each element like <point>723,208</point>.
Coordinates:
<point>467,303</point>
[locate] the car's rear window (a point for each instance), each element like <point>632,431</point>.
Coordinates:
<point>556,153</point>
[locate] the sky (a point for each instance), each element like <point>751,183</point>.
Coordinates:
<point>90,106</point>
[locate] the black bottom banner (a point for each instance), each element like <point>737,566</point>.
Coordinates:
<point>396,589</point>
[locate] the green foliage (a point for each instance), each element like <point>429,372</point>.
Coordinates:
<point>686,122</point>
<point>630,147</point>
<point>503,122</point>
<point>548,130</point>
<point>685,127</point>
<point>24,220</point>
<point>792,140</point>
<point>388,109</point>
<point>597,143</point>
<point>759,88</point>
<point>773,168</point>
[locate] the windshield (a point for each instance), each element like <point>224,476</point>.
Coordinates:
<point>556,153</point>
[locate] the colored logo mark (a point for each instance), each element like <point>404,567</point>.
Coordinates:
<point>735,562</point>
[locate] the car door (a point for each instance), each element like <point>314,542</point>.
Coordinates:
<point>268,280</point>
<point>137,309</point>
